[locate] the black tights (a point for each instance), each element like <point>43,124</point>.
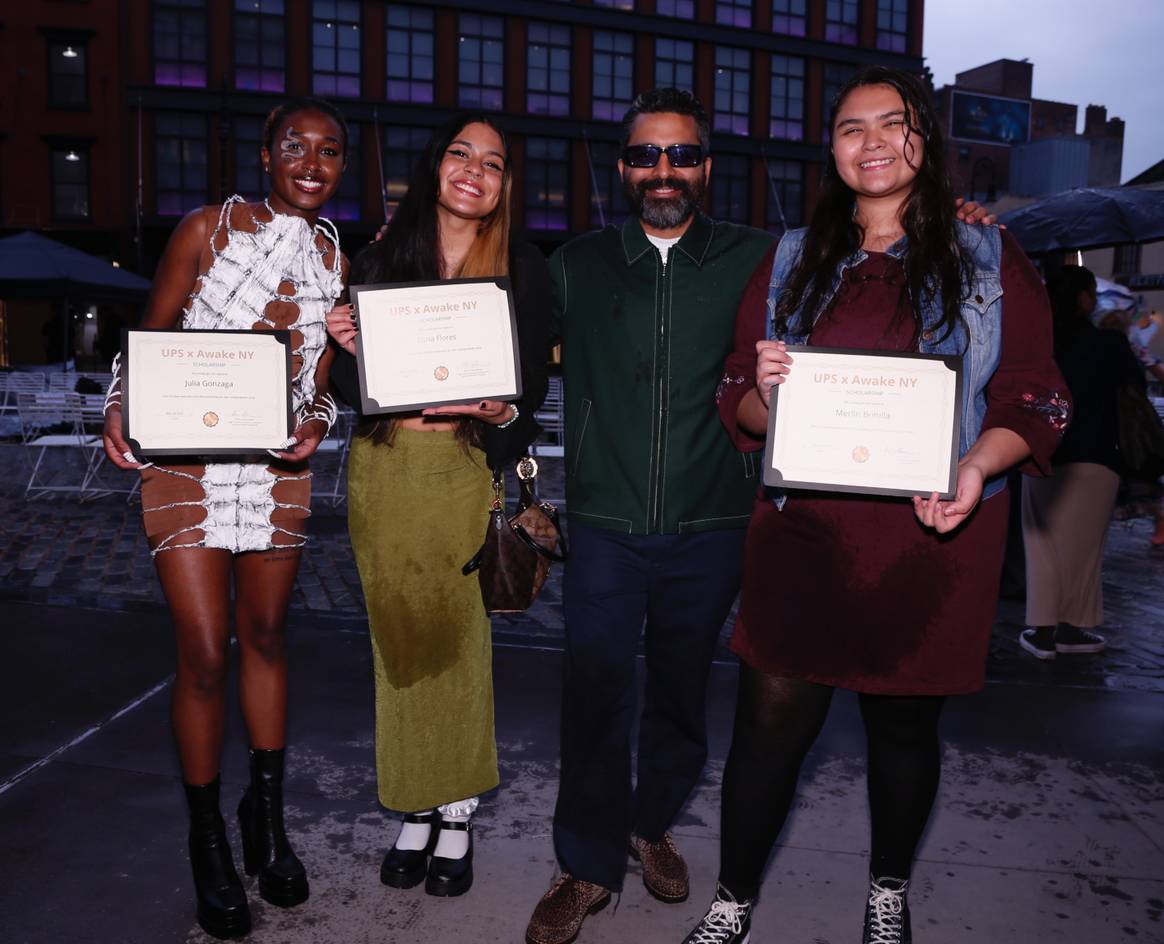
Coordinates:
<point>777,721</point>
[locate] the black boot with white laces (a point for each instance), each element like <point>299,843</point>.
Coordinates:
<point>727,921</point>
<point>887,912</point>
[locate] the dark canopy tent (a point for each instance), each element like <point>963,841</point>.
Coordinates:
<point>1088,218</point>
<point>35,267</point>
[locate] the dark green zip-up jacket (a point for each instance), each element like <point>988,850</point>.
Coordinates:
<point>643,347</point>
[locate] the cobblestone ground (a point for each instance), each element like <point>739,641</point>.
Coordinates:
<point>62,552</point>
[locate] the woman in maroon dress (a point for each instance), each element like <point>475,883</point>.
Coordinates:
<point>888,597</point>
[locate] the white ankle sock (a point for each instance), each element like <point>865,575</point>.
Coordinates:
<point>453,843</point>
<point>414,835</point>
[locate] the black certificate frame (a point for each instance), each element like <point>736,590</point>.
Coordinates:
<point>773,478</point>
<point>369,406</point>
<point>281,336</point>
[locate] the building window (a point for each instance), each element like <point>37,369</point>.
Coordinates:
<point>614,66</point>
<point>403,147</point>
<point>616,4</point>
<point>607,198</point>
<point>259,45</point>
<point>680,9</point>
<point>180,144</point>
<point>789,17</point>
<point>249,179</point>
<point>785,195</point>
<point>335,48</point>
<point>1127,259</point>
<point>410,55</point>
<point>547,183</point>
<point>675,64</point>
<point>346,203</point>
<point>70,183</point>
<point>841,21</point>
<point>732,95</point>
<point>892,25</point>
<point>548,69</point>
<point>482,61</point>
<point>836,74</point>
<point>180,42</point>
<point>68,75</point>
<point>734,13</point>
<point>729,188</point>
<point>786,116</point>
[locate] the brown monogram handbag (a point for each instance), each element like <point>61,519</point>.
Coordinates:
<point>514,560</point>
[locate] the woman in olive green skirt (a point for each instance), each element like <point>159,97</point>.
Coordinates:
<point>419,492</point>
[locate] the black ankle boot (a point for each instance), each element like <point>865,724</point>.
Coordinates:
<point>222,902</point>
<point>404,868</point>
<point>282,878</point>
<point>449,877</point>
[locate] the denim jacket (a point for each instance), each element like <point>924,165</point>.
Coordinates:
<point>981,320</point>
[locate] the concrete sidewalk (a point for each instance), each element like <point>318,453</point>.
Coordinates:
<point>1050,822</point>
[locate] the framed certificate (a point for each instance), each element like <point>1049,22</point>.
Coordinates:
<point>428,344</point>
<point>855,421</point>
<point>206,392</point>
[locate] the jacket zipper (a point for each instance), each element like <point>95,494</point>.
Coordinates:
<point>661,393</point>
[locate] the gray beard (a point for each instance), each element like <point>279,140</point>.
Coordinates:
<point>665,213</point>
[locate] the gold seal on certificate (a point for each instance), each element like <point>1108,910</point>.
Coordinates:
<point>206,392</point>
<point>429,344</point>
<point>856,421</point>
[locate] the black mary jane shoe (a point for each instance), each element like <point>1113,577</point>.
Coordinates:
<point>448,878</point>
<point>406,868</point>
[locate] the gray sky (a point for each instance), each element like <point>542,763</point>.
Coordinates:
<point>1086,52</point>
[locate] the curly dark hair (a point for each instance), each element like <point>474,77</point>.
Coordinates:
<point>935,262</point>
<point>671,101</point>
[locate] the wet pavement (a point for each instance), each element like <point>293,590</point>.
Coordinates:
<point>1050,822</point>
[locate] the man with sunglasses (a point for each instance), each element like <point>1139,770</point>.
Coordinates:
<point>658,500</point>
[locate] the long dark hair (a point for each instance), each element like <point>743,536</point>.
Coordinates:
<point>409,250</point>
<point>1063,288</point>
<point>935,263</point>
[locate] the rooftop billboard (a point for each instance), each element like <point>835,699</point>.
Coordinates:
<point>989,119</point>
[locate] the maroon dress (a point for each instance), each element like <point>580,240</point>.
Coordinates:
<point>851,590</point>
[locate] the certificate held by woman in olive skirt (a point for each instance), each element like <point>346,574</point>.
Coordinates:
<point>853,421</point>
<point>430,344</point>
<point>203,393</point>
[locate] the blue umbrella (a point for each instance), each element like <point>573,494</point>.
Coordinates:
<point>1087,218</point>
<point>33,266</point>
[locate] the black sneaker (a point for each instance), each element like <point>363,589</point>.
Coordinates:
<point>1073,640</point>
<point>1040,645</point>
<point>727,921</point>
<point>887,912</point>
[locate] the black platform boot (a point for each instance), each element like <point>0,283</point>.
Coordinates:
<point>222,902</point>
<point>282,878</point>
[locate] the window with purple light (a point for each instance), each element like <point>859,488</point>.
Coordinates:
<point>346,203</point>
<point>180,165</point>
<point>259,45</point>
<point>403,147</point>
<point>70,170</point>
<point>249,179</point>
<point>410,54</point>
<point>680,9</point>
<point>674,64</point>
<point>607,198</point>
<point>481,61</point>
<point>734,12</point>
<point>547,183</point>
<point>785,195</point>
<point>892,25</point>
<point>548,69</point>
<point>616,4</point>
<point>730,185</point>
<point>841,18</point>
<point>335,48</point>
<point>732,89</point>
<point>613,80</point>
<point>789,17</point>
<point>786,111</point>
<point>179,33</point>
<point>836,74</point>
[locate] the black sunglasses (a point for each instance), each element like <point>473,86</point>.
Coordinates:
<point>647,155</point>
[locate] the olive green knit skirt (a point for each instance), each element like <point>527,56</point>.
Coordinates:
<point>417,511</point>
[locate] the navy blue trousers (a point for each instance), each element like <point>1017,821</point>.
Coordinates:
<point>674,591</point>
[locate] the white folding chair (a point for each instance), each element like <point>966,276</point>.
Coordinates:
<point>338,442</point>
<point>551,418</point>
<point>18,382</point>
<point>40,413</point>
